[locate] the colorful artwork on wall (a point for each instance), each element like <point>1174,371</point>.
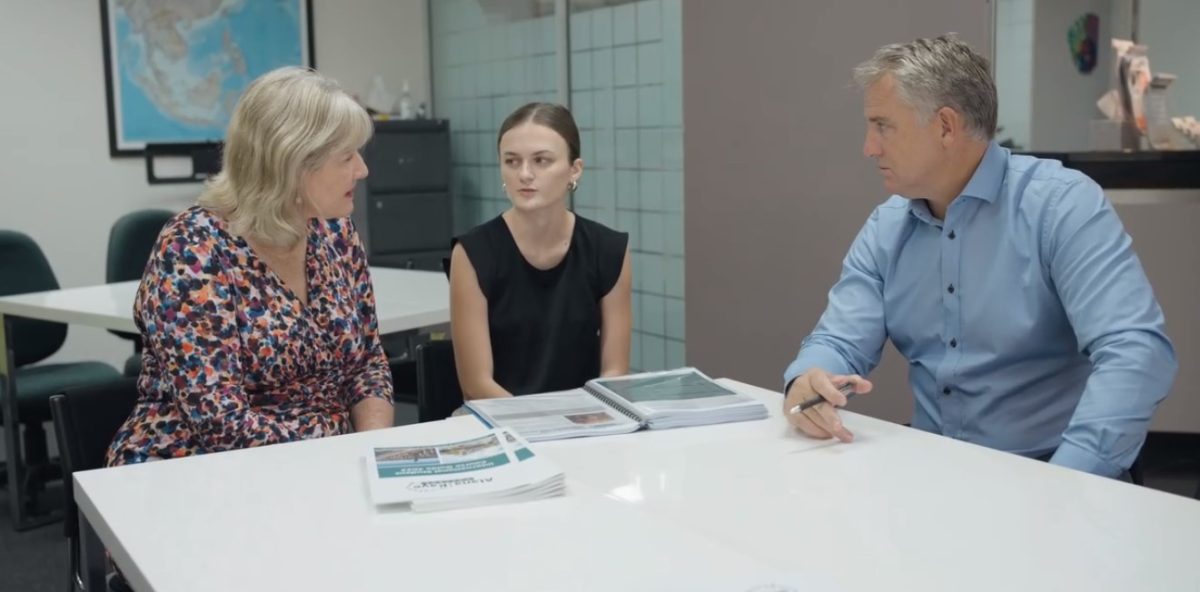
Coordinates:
<point>1083,39</point>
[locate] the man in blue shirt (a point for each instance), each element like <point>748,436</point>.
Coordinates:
<point>1006,281</point>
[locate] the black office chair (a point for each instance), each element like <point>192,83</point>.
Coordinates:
<point>404,380</point>
<point>23,269</point>
<point>130,242</point>
<point>85,421</point>
<point>438,392</point>
<point>1137,474</point>
<point>403,366</point>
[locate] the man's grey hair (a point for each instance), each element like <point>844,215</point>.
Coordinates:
<point>933,73</point>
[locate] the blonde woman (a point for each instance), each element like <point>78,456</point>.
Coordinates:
<point>256,308</point>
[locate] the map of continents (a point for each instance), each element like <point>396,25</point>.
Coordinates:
<point>182,64</point>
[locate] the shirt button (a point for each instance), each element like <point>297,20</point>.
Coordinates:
<point>946,391</point>
<point>953,343</point>
<point>950,289</point>
<point>951,235</point>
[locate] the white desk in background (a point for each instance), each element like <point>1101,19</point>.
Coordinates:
<point>720,507</point>
<point>405,300</point>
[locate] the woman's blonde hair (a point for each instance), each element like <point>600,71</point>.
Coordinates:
<point>287,123</point>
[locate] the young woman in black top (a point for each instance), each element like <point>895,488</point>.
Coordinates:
<point>539,296</point>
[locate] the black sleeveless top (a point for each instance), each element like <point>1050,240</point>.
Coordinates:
<point>545,324</point>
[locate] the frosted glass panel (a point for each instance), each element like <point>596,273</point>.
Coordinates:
<point>634,53</point>
<point>625,63</point>
<point>489,57</point>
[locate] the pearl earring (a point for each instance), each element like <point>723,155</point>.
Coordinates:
<point>574,185</point>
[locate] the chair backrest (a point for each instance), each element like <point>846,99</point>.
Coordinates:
<point>438,392</point>
<point>130,241</point>
<point>85,421</point>
<point>24,269</point>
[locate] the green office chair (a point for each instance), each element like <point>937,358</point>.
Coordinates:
<point>23,269</point>
<point>130,242</point>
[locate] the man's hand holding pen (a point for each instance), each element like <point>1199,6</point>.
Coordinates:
<point>812,399</point>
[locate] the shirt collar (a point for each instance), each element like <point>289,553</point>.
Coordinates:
<point>919,209</point>
<point>989,175</point>
<point>985,183</point>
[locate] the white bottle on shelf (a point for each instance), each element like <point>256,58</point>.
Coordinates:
<point>406,105</point>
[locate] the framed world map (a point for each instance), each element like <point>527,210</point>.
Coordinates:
<point>174,69</point>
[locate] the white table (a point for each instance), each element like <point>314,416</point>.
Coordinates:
<point>709,508</point>
<point>405,300</point>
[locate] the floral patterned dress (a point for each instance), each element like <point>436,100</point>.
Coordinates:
<point>232,358</point>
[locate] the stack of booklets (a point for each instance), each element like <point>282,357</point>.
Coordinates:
<point>497,467</point>
<point>619,405</point>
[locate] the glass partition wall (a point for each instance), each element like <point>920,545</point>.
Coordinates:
<point>624,61</point>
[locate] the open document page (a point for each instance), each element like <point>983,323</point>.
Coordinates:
<point>674,398</point>
<point>554,416</point>
<point>493,468</point>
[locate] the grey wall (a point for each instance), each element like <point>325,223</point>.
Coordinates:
<point>776,183</point>
<point>1163,227</point>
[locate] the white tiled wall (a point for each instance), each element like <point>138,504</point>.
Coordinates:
<point>485,65</point>
<point>627,96</point>
<point>1168,28</point>
<point>1063,98</point>
<point>1014,69</point>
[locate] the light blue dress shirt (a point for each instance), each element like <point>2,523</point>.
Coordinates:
<point>1025,316</point>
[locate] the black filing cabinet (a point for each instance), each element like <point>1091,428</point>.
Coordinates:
<point>403,210</point>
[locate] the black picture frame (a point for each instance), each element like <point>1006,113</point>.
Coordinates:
<point>119,148</point>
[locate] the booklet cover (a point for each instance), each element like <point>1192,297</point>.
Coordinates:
<point>554,416</point>
<point>496,466</point>
<point>685,384</point>
<point>676,398</point>
<point>619,405</point>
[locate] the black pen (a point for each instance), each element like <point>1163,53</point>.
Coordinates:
<point>846,389</point>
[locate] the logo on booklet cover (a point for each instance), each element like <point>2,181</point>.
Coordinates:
<point>446,484</point>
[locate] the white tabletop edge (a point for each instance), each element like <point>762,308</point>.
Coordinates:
<point>71,317</point>
<point>652,454</point>
<point>406,300</point>
<point>129,567</point>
